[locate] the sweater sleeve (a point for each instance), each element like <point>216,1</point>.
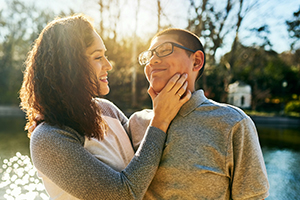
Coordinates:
<point>137,125</point>
<point>249,178</point>
<point>60,155</point>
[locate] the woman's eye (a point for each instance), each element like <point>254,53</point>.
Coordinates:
<point>101,57</point>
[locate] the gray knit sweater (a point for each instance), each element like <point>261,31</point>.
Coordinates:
<point>60,155</point>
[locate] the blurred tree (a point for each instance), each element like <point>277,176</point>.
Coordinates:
<point>265,71</point>
<point>262,33</point>
<point>159,13</point>
<point>292,59</point>
<point>120,78</point>
<point>20,25</point>
<point>122,53</point>
<point>128,83</point>
<point>294,31</point>
<point>208,24</point>
<point>110,13</point>
<point>294,28</point>
<point>134,63</point>
<point>213,22</point>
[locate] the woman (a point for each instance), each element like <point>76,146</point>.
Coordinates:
<point>80,148</point>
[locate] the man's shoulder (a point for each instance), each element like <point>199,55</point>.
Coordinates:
<point>230,113</point>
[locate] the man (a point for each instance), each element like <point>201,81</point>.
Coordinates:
<point>212,150</point>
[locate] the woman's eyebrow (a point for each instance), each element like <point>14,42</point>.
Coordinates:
<point>97,50</point>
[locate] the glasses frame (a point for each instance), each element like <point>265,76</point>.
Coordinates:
<point>154,50</point>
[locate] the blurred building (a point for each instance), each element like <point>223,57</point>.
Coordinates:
<point>239,94</point>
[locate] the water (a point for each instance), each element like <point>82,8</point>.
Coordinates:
<point>281,151</point>
<point>18,180</point>
<point>283,173</point>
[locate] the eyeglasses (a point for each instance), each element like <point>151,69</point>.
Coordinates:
<point>161,50</point>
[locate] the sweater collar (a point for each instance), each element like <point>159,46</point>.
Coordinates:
<point>195,101</point>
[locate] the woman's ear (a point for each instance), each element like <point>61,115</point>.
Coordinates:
<point>198,60</point>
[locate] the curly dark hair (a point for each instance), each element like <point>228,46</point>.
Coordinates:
<point>59,83</point>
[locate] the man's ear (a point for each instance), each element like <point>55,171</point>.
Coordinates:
<point>198,60</point>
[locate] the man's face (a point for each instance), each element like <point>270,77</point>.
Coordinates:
<point>159,70</point>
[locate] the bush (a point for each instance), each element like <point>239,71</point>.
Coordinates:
<point>292,106</point>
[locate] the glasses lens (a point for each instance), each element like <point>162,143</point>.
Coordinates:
<point>161,51</point>
<point>164,49</point>
<point>144,57</point>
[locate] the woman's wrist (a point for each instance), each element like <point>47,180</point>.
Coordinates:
<point>160,124</point>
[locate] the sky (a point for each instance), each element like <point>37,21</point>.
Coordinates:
<point>274,13</point>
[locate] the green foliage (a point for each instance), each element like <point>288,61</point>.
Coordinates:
<point>212,81</point>
<point>265,71</point>
<point>292,106</point>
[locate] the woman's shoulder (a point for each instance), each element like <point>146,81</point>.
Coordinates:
<point>106,102</point>
<point>107,106</point>
<point>109,109</point>
<point>45,133</point>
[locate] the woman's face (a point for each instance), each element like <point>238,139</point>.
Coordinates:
<point>100,64</point>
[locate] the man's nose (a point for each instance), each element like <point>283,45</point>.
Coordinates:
<point>154,59</point>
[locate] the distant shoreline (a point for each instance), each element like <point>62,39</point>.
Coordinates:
<point>15,111</point>
<point>11,111</point>
<point>276,121</point>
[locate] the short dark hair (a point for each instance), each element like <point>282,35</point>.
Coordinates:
<point>187,39</point>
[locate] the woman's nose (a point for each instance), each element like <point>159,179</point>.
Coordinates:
<point>108,65</point>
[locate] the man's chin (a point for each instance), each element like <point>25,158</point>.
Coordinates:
<point>158,84</point>
<point>157,91</point>
<point>156,88</point>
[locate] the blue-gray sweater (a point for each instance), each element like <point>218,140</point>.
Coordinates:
<point>60,155</point>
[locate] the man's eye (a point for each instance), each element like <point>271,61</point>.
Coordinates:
<point>162,51</point>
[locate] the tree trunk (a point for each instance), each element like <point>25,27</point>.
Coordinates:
<point>134,61</point>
